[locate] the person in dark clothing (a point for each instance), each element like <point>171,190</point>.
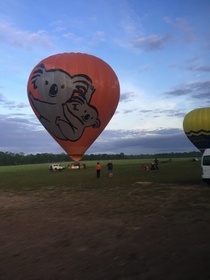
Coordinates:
<point>154,165</point>
<point>110,168</point>
<point>156,162</point>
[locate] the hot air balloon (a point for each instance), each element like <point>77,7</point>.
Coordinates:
<point>74,96</point>
<point>196,126</point>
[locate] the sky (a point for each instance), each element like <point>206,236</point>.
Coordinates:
<point>159,50</point>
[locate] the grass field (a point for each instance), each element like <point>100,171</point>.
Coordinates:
<point>70,225</point>
<point>126,172</point>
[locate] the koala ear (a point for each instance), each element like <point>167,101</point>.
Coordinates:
<point>39,72</point>
<point>97,124</point>
<point>42,66</point>
<point>78,100</point>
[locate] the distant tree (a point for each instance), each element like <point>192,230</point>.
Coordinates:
<point>7,158</point>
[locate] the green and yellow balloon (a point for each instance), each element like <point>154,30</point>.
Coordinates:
<point>196,125</point>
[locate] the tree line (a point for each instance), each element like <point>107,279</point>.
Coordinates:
<point>7,158</point>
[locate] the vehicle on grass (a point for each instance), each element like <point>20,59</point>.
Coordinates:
<point>56,167</point>
<point>205,166</point>
<point>76,166</point>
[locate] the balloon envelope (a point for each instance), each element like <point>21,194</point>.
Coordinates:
<point>196,126</point>
<point>74,96</point>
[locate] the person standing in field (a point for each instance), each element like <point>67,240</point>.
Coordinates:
<point>98,170</point>
<point>156,162</point>
<point>110,168</point>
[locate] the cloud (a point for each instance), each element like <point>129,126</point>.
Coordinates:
<point>128,111</point>
<point>23,39</point>
<point>21,133</point>
<point>98,36</point>
<point>126,96</point>
<point>195,68</point>
<point>150,43</point>
<point>6,103</point>
<point>182,25</point>
<point>142,142</point>
<point>195,90</point>
<point>72,37</point>
<point>11,105</point>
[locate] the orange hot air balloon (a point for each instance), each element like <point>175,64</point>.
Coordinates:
<point>74,96</point>
<point>196,126</point>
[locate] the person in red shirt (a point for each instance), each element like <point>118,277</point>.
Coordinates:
<point>98,170</point>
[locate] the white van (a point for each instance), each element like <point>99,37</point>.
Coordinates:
<point>205,166</point>
<point>56,166</point>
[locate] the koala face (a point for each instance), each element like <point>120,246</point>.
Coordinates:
<point>53,86</point>
<point>82,110</point>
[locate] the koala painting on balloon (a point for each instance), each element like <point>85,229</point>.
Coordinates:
<point>64,105</point>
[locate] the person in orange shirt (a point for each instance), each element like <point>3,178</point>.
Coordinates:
<point>98,170</point>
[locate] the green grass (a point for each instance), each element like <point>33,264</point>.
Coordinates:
<point>126,172</point>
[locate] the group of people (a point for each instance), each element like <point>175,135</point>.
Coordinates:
<point>144,167</point>
<point>154,166</point>
<point>109,167</point>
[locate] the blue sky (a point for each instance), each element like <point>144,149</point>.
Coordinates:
<point>160,51</point>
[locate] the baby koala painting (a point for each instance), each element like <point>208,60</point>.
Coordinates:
<point>64,104</point>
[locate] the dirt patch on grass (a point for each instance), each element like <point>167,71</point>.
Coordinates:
<point>13,201</point>
<point>139,232</point>
<point>144,183</point>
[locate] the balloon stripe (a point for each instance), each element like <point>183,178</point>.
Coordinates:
<point>197,132</point>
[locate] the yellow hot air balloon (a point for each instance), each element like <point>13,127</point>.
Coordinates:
<point>196,125</point>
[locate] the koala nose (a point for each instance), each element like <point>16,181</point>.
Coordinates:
<point>53,90</point>
<point>87,117</point>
